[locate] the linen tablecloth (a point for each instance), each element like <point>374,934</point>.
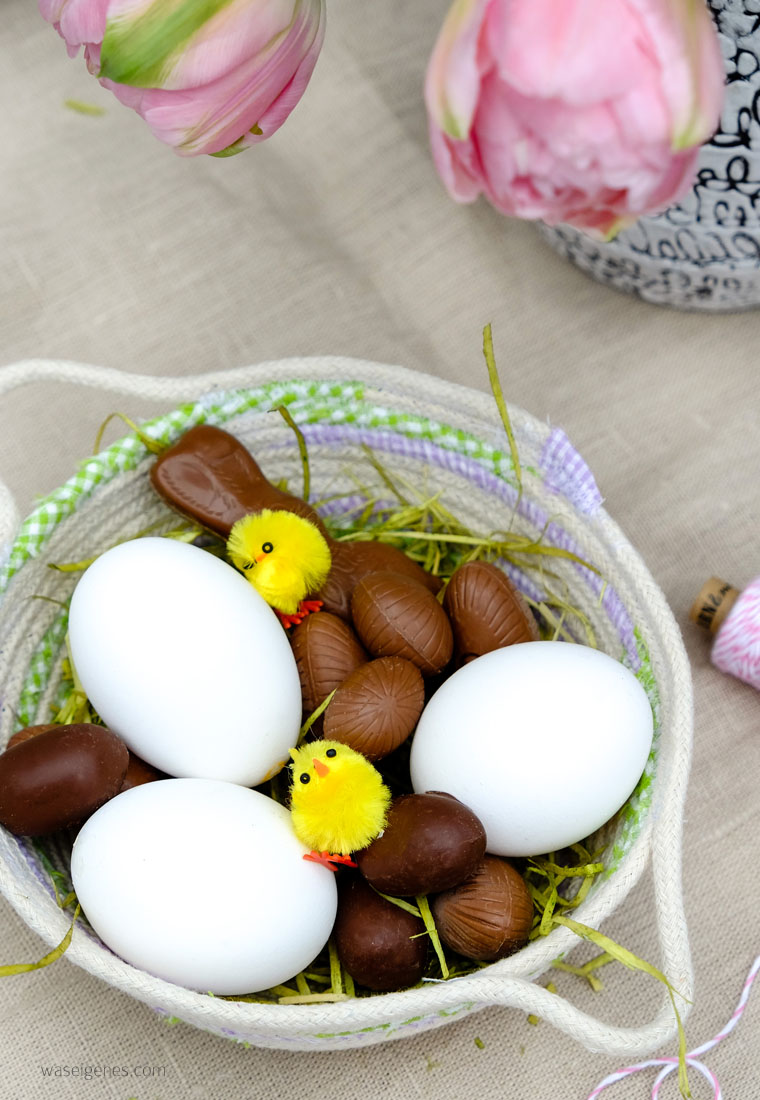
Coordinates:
<point>336,237</point>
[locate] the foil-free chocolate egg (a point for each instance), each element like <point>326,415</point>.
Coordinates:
<point>327,651</point>
<point>59,777</point>
<point>373,938</point>
<point>489,915</point>
<point>137,773</point>
<point>431,842</point>
<point>353,561</point>
<point>486,610</point>
<point>376,708</point>
<point>27,733</point>
<point>396,617</point>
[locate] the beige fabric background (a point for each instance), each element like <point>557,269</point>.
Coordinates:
<point>336,237</point>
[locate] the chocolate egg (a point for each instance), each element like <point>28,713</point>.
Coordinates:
<point>376,708</point>
<point>59,777</point>
<point>431,842</point>
<point>138,772</point>
<point>353,561</point>
<point>487,916</point>
<point>396,617</point>
<point>327,651</point>
<point>373,938</point>
<point>486,610</point>
<point>28,732</point>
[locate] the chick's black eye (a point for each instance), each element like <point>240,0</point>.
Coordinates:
<point>305,777</point>
<point>331,752</point>
<point>267,547</point>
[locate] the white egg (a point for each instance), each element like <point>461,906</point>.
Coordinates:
<point>183,659</point>
<point>544,741</point>
<point>203,883</point>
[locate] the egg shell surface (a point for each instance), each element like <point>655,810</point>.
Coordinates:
<point>183,659</point>
<point>544,741</point>
<point>203,883</point>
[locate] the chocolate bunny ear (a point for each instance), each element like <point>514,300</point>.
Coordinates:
<point>210,477</point>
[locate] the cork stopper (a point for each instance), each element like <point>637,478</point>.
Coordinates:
<point>713,603</point>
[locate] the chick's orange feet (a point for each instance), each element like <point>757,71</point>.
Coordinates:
<point>305,607</point>
<point>329,859</point>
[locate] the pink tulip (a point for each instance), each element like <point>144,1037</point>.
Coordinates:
<point>208,76</point>
<point>588,112</point>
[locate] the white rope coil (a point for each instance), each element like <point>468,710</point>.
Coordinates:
<point>126,503</point>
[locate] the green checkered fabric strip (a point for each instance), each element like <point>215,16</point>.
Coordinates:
<point>309,403</point>
<point>637,807</point>
<point>40,668</point>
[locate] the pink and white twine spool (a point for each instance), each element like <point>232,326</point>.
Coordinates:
<point>737,647</point>
<point>734,618</point>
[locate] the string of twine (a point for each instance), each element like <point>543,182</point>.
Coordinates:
<point>692,1058</point>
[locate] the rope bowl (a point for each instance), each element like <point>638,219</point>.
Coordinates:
<point>445,438</point>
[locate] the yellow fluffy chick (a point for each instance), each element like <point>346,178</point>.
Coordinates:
<point>339,802</point>
<point>284,556</point>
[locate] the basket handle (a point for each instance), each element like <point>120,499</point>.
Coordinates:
<point>667,814</point>
<point>29,371</point>
<point>597,1035</point>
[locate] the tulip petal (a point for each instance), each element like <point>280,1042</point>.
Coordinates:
<point>240,30</point>
<point>50,10</point>
<point>686,44</point>
<point>143,37</point>
<point>581,51</point>
<point>452,83</point>
<point>78,22</point>
<point>261,93</point>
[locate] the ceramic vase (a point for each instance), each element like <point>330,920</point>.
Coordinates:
<point>704,252</point>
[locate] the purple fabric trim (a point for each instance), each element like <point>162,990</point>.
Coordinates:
<point>470,469</point>
<point>566,472</point>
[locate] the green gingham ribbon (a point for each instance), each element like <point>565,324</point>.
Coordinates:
<point>309,403</point>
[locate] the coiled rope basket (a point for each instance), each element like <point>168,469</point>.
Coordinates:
<point>438,435</point>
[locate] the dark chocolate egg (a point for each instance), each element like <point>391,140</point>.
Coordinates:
<point>327,651</point>
<point>59,777</point>
<point>489,915</point>
<point>377,707</point>
<point>431,842</point>
<point>486,610</point>
<point>396,617</point>
<point>373,938</point>
<point>138,772</point>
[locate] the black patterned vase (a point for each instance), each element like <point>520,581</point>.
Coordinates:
<point>704,252</point>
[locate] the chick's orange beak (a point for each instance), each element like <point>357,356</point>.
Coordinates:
<point>320,768</point>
